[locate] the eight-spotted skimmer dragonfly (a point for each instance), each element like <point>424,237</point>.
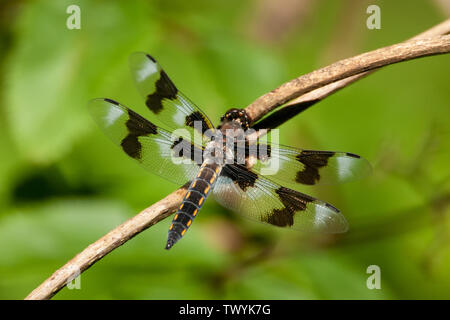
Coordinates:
<point>239,187</point>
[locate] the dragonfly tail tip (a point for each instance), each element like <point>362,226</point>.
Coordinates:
<point>169,244</point>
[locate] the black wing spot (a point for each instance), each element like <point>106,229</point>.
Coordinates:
<point>293,201</point>
<point>181,145</point>
<point>137,126</point>
<point>197,116</point>
<point>313,161</point>
<point>241,175</point>
<point>131,145</point>
<point>165,89</point>
<point>280,218</point>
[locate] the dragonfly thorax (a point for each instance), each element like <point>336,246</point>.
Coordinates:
<point>220,152</point>
<point>238,116</point>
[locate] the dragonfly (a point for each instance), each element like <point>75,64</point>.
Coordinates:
<point>240,183</point>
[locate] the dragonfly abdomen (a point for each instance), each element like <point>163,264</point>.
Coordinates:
<point>194,199</point>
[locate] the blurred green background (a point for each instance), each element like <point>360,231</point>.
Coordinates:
<point>63,184</point>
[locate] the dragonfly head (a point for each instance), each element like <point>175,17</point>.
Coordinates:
<point>236,115</point>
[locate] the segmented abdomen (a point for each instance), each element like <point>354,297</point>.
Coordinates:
<point>195,197</point>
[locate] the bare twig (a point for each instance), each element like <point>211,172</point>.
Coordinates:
<point>108,243</point>
<point>323,78</point>
<point>346,68</point>
<point>309,99</point>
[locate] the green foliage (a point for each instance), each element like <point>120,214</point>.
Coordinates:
<point>63,184</point>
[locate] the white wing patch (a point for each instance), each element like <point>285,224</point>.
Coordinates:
<point>344,168</point>
<point>145,70</point>
<point>112,114</point>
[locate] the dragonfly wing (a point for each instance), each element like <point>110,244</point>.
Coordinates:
<point>156,149</point>
<point>294,166</point>
<point>258,198</point>
<point>163,98</point>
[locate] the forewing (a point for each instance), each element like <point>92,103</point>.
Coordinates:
<point>258,198</point>
<point>292,166</point>
<point>154,148</point>
<point>163,98</point>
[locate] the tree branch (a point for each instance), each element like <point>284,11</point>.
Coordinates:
<point>108,243</point>
<point>315,85</point>
<point>408,50</point>
<point>309,99</point>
